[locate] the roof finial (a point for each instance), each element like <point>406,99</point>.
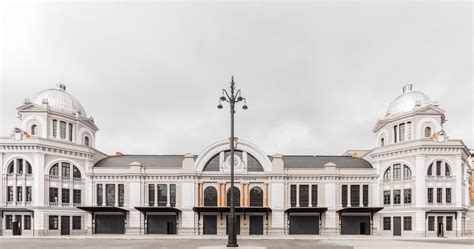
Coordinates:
<point>61,86</point>
<point>407,88</point>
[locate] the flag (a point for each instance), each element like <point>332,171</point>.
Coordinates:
<point>19,134</point>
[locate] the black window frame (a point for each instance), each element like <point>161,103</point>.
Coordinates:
<point>236,197</point>
<point>355,195</point>
<point>448,196</point>
<point>210,196</point>
<point>387,223</point>
<point>27,222</point>
<point>314,195</point>
<point>29,194</point>
<point>431,223</point>
<point>407,223</point>
<point>256,197</point>
<point>344,200</point>
<point>430,195</point>
<point>439,195</point>
<point>53,221</point>
<point>449,223</point>
<point>110,194</point>
<point>387,197</point>
<point>8,222</point>
<point>76,196</point>
<point>76,222</point>
<point>172,194</point>
<point>53,195</point>
<point>65,195</point>
<point>407,196</point>
<point>293,193</point>
<point>162,194</point>
<point>151,195</point>
<point>100,194</point>
<point>397,198</point>
<point>121,194</point>
<point>365,195</point>
<point>304,195</point>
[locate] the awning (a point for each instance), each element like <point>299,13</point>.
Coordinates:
<point>94,209</point>
<point>319,210</point>
<point>145,210</point>
<point>15,209</point>
<point>237,209</point>
<point>371,210</point>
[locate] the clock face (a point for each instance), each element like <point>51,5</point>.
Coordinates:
<point>236,164</point>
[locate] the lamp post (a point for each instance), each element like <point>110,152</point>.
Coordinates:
<point>232,98</point>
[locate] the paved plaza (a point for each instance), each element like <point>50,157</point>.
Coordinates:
<point>185,243</point>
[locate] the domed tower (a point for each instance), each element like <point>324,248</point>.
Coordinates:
<point>55,114</point>
<point>422,174</point>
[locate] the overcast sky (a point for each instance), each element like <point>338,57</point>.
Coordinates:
<point>317,75</point>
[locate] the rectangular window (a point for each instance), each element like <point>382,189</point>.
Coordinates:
<point>9,193</point>
<point>76,222</point>
<point>66,168</point>
<point>8,222</point>
<point>110,194</point>
<point>344,195</point>
<point>396,196</point>
<point>173,195</point>
<point>27,222</point>
<point>431,221</point>
<point>448,195</point>
<point>449,223</point>
<point>76,196</point>
<point>439,195</point>
<point>407,196</point>
<point>121,192</point>
<point>304,195</point>
<point>365,195</point>
<point>407,223</point>
<point>402,132</point>
<point>314,195</point>
<point>19,194</point>
<point>162,194</point>
<point>151,195</point>
<point>62,129</point>
<point>29,194</point>
<point>65,195</point>
<point>293,195</point>
<point>99,194</point>
<point>20,166</point>
<point>386,197</point>
<point>395,135</point>
<point>397,171</point>
<point>387,223</point>
<point>70,132</point>
<point>53,195</point>
<point>355,195</point>
<point>53,222</point>
<point>438,168</point>
<point>55,128</point>
<point>408,136</point>
<point>430,195</point>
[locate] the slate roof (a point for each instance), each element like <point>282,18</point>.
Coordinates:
<point>161,161</point>
<point>344,162</point>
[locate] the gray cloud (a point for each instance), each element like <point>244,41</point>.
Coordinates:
<point>317,75</point>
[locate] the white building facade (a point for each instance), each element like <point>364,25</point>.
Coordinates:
<point>415,182</point>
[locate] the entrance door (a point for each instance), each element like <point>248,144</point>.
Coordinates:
<point>16,228</point>
<point>440,232</point>
<point>210,224</point>
<point>397,226</point>
<point>304,224</point>
<point>237,224</point>
<point>256,225</point>
<point>161,224</point>
<point>109,224</point>
<point>355,225</point>
<point>65,225</point>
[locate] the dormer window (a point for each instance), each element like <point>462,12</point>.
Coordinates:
<point>62,129</point>
<point>55,128</point>
<point>428,132</point>
<point>34,130</point>
<point>70,132</point>
<point>402,132</point>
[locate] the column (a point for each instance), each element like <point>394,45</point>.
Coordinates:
<point>242,200</point>
<point>168,192</point>
<point>89,186</point>
<point>219,195</point>
<point>265,195</point>
<point>348,195</point>
<point>224,194</point>
<point>104,198</point>
<point>116,195</point>
<point>199,194</point>
<point>361,195</point>
<point>297,195</point>
<point>310,195</point>
<point>155,187</point>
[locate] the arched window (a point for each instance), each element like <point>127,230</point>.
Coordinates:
<point>11,168</point>
<point>253,164</point>
<point>430,170</point>
<point>34,130</point>
<point>28,169</point>
<point>54,170</point>
<point>75,172</point>
<point>210,197</point>
<point>236,197</point>
<point>406,171</point>
<point>447,171</point>
<point>397,171</point>
<point>213,164</point>
<point>382,142</point>
<point>256,197</point>
<point>428,131</point>
<point>387,175</point>
<point>86,141</point>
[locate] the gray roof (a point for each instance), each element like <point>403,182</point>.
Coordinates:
<point>345,162</point>
<point>162,161</point>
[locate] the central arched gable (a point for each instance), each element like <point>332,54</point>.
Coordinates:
<point>224,145</point>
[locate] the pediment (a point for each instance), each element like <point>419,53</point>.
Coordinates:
<point>30,107</point>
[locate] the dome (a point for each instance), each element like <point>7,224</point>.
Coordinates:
<point>408,101</point>
<point>59,100</point>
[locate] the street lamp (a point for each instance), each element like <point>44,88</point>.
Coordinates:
<point>232,98</point>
